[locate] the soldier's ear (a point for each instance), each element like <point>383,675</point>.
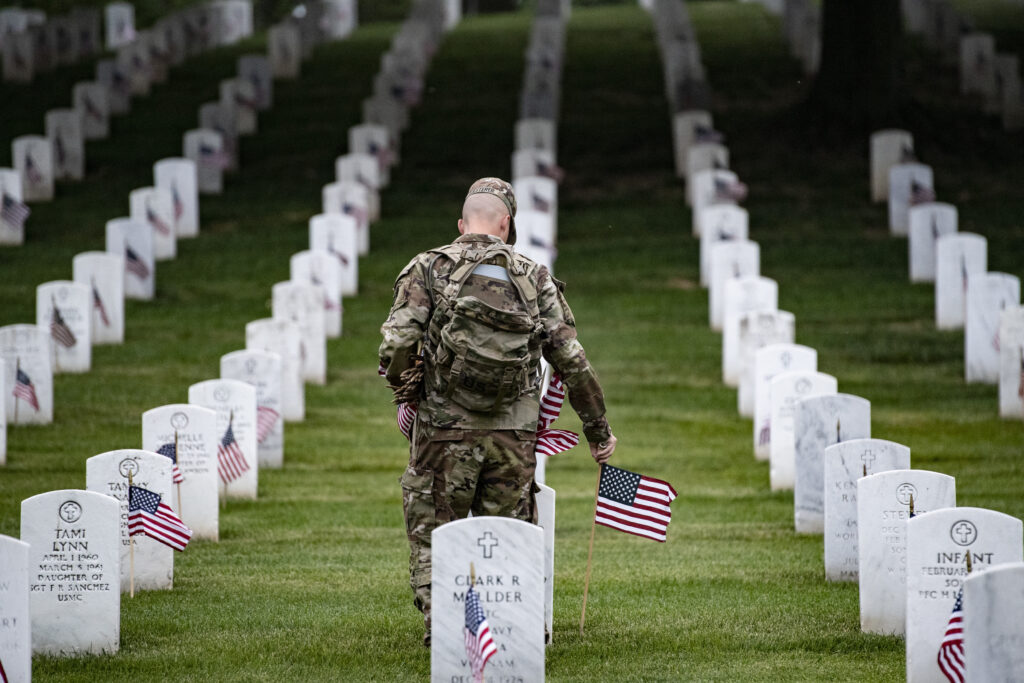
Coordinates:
<point>462,227</point>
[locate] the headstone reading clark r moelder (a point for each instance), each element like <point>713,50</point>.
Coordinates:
<point>883,508</point>
<point>507,558</point>
<point>74,571</point>
<point>15,628</point>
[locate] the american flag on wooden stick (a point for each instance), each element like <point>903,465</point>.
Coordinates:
<point>266,418</point>
<point>179,206</point>
<point>171,451</point>
<point>951,651</point>
<point>707,134</point>
<point>159,223</point>
<point>633,503</point>
<point>920,193</point>
<point>31,171</point>
<point>97,303</point>
<point>149,516</point>
<point>134,263</point>
<point>213,156</point>
<point>13,211</point>
<point>480,645</point>
<point>25,390</point>
<point>231,462</point>
<point>727,190</point>
<point>59,329</point>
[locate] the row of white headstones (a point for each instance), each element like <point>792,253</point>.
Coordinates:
<point>986,305</point>
<point>994,78</point>
<point>853,489</point>
<point>512,562</point>
<point>64,577</point>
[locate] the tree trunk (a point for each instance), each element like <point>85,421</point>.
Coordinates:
<point>858,88</point>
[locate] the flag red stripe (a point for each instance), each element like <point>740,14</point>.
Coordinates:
<point>632,530</point>
<point>614,509</point>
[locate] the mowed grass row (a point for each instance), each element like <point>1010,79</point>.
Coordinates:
<point>309,582</point>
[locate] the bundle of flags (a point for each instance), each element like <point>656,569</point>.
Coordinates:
<point>149,516</point>
<point>231,462</point>
<point>552,441</point>
<point>633,503</point>
<point>171,451</point>
<point>480,645</point>
<point>951,651</point>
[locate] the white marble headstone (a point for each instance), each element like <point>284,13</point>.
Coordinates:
<point>729,261</point>
<point>769,361</point>
<point>957,257</point>
<point>534,193</point>
<point>91,99</point>
<point>64,131</point>
<point>101,272</point>
<point>704,156</point>
<point>845,463</point>
<point>988,295</point>
<point>684,126</point>
<point>977,64</point>
<point>239,96</point>
<point>282,337</point>
<point>234,402</point>
<point>15,627</point>
<point>76,611</point>
<point>883,508</point>
<point>107,473</point>
<point>262,370</point>
<point>902,177</point>
<point>27,356</point>
<point>194,430</point>
<point>33,159</point>
<point>818,423</point>
<point>722,223</point>
<point>206,148</point>
<point>937,545</point>
<point>1011,363</point>
<point>338,235</point>
<point>18,57</point>
<point>303,305</point>
<point>376,140</point>
<point>321,267</point>
<point>928,222</point>
<point>110,76</point>
<point>12,232</point>
<point>133,241</point>
<point>742,295</point>
<point>4,400</point>
<point>759,329</point>
<point>352,199</point>
<point>705,192</point>
<point>64,311</point>
<point>178,176</point>
<point>535,133</point>
<point>133,61</point>
<point>220,118</point>
<point>155,207</point>
<point>546,521</point>
<point>993,628</point>
<point>256,69</point>
<point>284,50</point>
<point>888,148</point>
<point>120,24</point>
<point>361,168</point>
<point>507,556</point>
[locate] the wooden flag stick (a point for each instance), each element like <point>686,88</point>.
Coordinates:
<point>911,504</point>
<point>590,551</point>
<point>472,575</point>
<point>131,547</point>
<point>970,568</point>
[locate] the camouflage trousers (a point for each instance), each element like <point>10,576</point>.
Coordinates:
<point>454,471</point>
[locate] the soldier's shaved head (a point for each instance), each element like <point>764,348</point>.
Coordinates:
<point>484,208</point>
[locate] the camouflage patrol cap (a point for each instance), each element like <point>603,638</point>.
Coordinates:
<point>503,191</point>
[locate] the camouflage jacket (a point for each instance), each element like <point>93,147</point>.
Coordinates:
<point>407,323</point>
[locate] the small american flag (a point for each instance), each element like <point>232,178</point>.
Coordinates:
<point>179,206</point>
<point>159,223</point>
<point>1020,382</point>
<point>357,212</point>
<point>633,503</point>
<point>149,516</point>
<point>553,441</point>
<point>91,110</point>
<point>247,102</point>
<point>61,153</point>
<point>764,437</point>
<point>540,204</point>
<point>920,193</point>
<point>171,451</point>
<point>60,331</point>
<point>13,211</point>
<point>383,153</point>
<point>135,265</point>
<point>231,462</point>
<point>480,645</point>
<point>907,155</point>
<point>31,171</point>
<point>97,303</point>
<point>211,156</point>
<point>25,390</point>
<point>257,87</point>
<point>964,275</point>
<point>3,674</point>
<point>406,417</point>
<point>707,134</point>
<point>729,190</point>
<point>553,171</point>
<point>951,651</point>
<point>341,256</point>
<point>266,418</point>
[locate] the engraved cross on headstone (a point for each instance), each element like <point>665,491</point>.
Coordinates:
<point>487,542</point>
<point>964,531</point>
<point>867,457</point>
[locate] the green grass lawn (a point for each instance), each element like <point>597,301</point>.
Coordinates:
<point>309,582</point>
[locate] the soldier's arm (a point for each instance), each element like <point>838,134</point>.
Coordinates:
<point>563,350</point>
<point>407,321</point>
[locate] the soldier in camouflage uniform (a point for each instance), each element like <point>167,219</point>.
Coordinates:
<point>463,459</point>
